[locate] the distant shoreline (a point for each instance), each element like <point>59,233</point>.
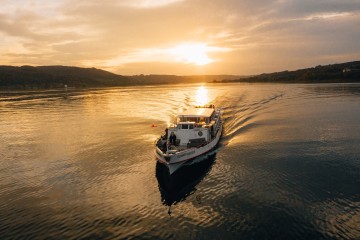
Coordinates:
<point>334,73</point>
<point>56,77</point>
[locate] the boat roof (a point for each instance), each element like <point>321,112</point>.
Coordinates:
<point>197,112</point>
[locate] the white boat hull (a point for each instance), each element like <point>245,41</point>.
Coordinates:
<point>175,160</point>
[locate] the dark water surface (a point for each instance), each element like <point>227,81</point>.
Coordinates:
<point>81,165</point>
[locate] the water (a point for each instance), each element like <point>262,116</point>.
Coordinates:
<point>81,165</point>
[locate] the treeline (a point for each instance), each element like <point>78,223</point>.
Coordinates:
<point>50,77</point>
<point>171,79</point>
<point>45,77</point>
<point>343,72</point>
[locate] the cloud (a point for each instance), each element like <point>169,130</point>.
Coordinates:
<point>297,33</point>
<point>148,3</point>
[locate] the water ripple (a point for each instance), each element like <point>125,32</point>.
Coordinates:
<point>81,165</point>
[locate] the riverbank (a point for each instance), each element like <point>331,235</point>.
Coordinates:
<point>59,77</point>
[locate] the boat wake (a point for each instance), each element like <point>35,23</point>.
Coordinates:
<point>240,114</point>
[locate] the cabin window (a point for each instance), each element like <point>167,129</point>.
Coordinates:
<point>192,119</point>
<point>184,126</point>
<point>191,126</point>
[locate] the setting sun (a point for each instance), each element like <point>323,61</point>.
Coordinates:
<point>192,53</point>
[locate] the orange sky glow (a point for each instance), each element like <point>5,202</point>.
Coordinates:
<point>181,37</point>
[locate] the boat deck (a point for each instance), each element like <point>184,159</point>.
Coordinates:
<point>161,144</point>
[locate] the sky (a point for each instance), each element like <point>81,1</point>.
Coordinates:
<point>180,37</point>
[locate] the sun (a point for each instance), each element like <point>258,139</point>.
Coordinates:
<point>192,53</point>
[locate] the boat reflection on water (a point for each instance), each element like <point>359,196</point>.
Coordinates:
<point>178,186</point>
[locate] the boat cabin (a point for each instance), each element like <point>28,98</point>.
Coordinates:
<point>197,115</point>
<point>194,127</point>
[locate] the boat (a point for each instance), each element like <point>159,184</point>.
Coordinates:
<point>195,132</point>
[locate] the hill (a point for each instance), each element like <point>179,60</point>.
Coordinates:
<point>47,77</point>
<point>343,72</point>
<point>28,77</point>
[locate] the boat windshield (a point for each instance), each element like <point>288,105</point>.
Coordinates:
<point>189,119</point>
<point>186,125</point>
<point>197,115</point>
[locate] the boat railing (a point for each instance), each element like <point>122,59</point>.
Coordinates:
<point>171,151</point>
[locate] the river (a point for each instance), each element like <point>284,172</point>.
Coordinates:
<point>80,164</point>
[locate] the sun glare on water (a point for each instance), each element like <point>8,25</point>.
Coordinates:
<point>201,97</point>
<point>192,53</point>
